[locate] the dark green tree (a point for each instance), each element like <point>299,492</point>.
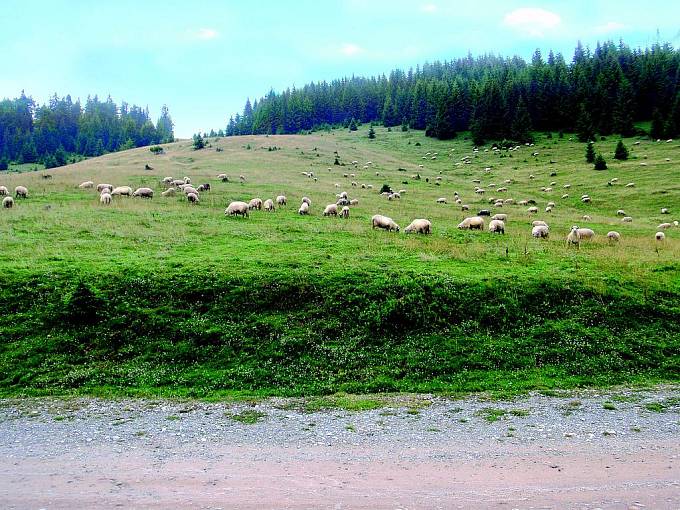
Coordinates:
<point>590,153</point>
<point>521,125</point>
<point>371,132</point>
<point>4,163</point>
<point>353,125</point>
<point>624,109</point>
<point>584,126</point>
<point>600,162</point>
<point>621,152</point>
<point>657,129</point>
<point>199,143</point>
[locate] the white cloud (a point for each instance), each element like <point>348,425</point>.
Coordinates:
<point>429,8</point>
<point>205,34</point>
<point>350,50</point>
<point>610,26</point>
<point>532,21</point>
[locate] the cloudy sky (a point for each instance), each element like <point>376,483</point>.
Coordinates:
<point>203,59</point>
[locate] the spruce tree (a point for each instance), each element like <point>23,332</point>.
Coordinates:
<point>371,132</point>
<point>621,152</point>
<point>584,126</point>
<point>404,126</point>
<point>520,130</point>
<point>353,125</point>
<point>600,163</point>
<point>657,128</point>
<point>590,153</point>
<point>198,142</point>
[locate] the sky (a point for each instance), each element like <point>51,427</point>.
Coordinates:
<point>203,59</point>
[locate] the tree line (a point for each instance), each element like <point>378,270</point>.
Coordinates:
<point>56,132</point>
<point>603,91</point>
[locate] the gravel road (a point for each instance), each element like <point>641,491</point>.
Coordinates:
<point>584,450</point>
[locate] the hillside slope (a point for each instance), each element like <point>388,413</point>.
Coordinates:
<point>161,295</point>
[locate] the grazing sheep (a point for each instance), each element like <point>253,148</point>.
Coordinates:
<point>523,202</point>
<point>659,236</point>
<point>204,187</point>
<point>170,192</point>
<point>613,236</point>
<point>540,231</point>
<point>354,184</point>
<point>331,210</point>
<point>441,200</point>
<point>566,195</point>
<point>281,200</point>
<point>585,233</point>
<point>627,219</point>
<point>384,222</point>
<point>167,180</point>
<point>342,201</point>
<point>344,212</point>
<point>573,237</point>
<point>539,223</point>
<point>237,209</point>
<point>532,210</point>
<point>548,209</point>
<point>187,180</point>
<point>21,191</point>
<point>304,208</point>
<point>255,203</point>
<point>354,201</point>
<point>193,198</point>
<point>630,185</point>
<point>342,195</point>
<point>189,189</point>
<point>664,210</point>
<point>500,217</point>
<point>664,226</point>
<point>269,205</point>
<point>178,183</point>
<point>369,186</point>
<point>223,177</point>
<point>620,212</point>
<point>472,223</point>
<point>143,193</point>
<point>105,198</point>
<point>84,185</point>
<point>497,226</point>
<point>122,190</point>
<point>242,178</point>
<point>394,196</point>
<point>100,187</point>
<point>307,201</point>
<point>7,202</point>
<point>419,226</point>
<point>484,212</point>
<point>465,207</point>
<point>586,200</point>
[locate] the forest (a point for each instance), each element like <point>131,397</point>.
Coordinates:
<point>63,130</point>
<point>602,91</point>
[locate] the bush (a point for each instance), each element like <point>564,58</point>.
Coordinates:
<point>198,142</point>
<point>385,189</point>
<point>156,149</point>
<point>371,133</point>
<point>600,163</point>
<point>621,152</point>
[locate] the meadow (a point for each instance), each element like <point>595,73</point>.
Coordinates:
<point>165,297</point>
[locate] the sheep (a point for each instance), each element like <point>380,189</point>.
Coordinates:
<point>167,180</point>
<point>380,221</point>
<point>664,210</point>
<point>269,205</point>
<point>630,185</point>
<point>419,226</point>
<point>85,185</point>
<point>354,184</point>
<point>540,231</point>
<point>500,217</point>
<point>7,202</point>
<point>548,209</point>
<point>464,207</point>
<point>523,202</point>
<point>242,178</point>
<point>394,196</point>
<point>281,200</point>
<point>401,191</point>
<point>344,212</point>
<point>105,198</point>
<point>497,226</point>
<point>354,201</point>
<point>178,182</point>
<point>659,236</point>
<point>551,204</point>
<point>143,193</point>
<point>664,226</point>
<point>170,192</point>
<point>586,200</point>
<point>342,195</point>
<point>441,200</point>
<point>586,217</point>
<point>189,189</point>
<point>255,203</point>
<point>304,208</point>
<point>566,195</point>
<point>331,210</point>
<point>627,219</point>
<point>573,237</point>
<point>186,180</point>
<point>613,236</point>
<point>508,201</point>
<point>532,210</point>
<point>21,191</point>
<point>307,201</point>
<point>4,191</point>
<point>620,212</point>
<point>101,187</point>
<point>342,201</point>
<point>193,198</point>
<point>585,233</point>
<point>472,223</point>
<point>484,212</point>
<point>223,177</point>
<point>539,223</point>
<point>237,208</point>
<point>204,187</point>
<point>122,190</point>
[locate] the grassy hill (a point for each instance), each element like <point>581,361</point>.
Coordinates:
<point>166,297</point>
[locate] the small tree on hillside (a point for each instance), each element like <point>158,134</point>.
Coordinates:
<point>371,133</point>
<point>600,163</point>
<point>198,142</point>
<point>353,125</point>
<point>590,153</point>
<point>621,152</point>
<point>404,126</point>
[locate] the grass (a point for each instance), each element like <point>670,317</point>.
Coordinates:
<point>247,417</point>
<point>609,406</point>
<point>159,298</point>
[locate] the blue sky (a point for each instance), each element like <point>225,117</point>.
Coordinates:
<point>203,59</point>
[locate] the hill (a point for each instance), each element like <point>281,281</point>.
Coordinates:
<point>148,296</point>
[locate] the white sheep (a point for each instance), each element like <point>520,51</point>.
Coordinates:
<point>7,202</point>
<point>586,200</point>
<point>500,217</point>
<point>187,180</point>
<point>307,201</point>
<point>664,210</point>
<point>269,205</point>
<point>170,192</point>
<point>472,223</point>
<point>237,208</point>
<point>100,187</point>
<point>122,190</point>
<point>255,203</point>
<point>613,236</point>
<point>532,210</point>
<point>394,196</point>
<point>21,191</point>
<point>354,201</point>
<point>497,226</point>
<point>143,193</point>
<point>627,219</point>
<point>573,237</point>
<point>384,222</point>
<point>664,226</point>
<point>419,226</point>
<point>281,200</point>
<point>84,185</point>
<point>659,236</point>
<point>344,212</point>
<point>105,198</point>
<point>630,185</point>
<point>441,200</point>
<point>585,233</point>
<point>193,198</point>
<point>586,217</point>
<point>304,208</point>
<point>331,210</point>
<point>539,223</point>
<point>167,180</point>
<point>620,212</point>
<point>540,231</point>
<point>223,177</point>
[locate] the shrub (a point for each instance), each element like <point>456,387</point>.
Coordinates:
<point>621,152</point>
<point>600,163</point>
<point>385,189</point>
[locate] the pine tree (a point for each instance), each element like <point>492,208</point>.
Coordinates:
<point>590,153</point>
<point>404,126</point>
<point>584,126</point>
<point>621,152</point>
<point>353,125</point>
<point>623,110</point>
<point>371,132</point>
<point>658,125</point>
<point>521,125</point>
<point>199,143</point>
<point>600,163</point>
